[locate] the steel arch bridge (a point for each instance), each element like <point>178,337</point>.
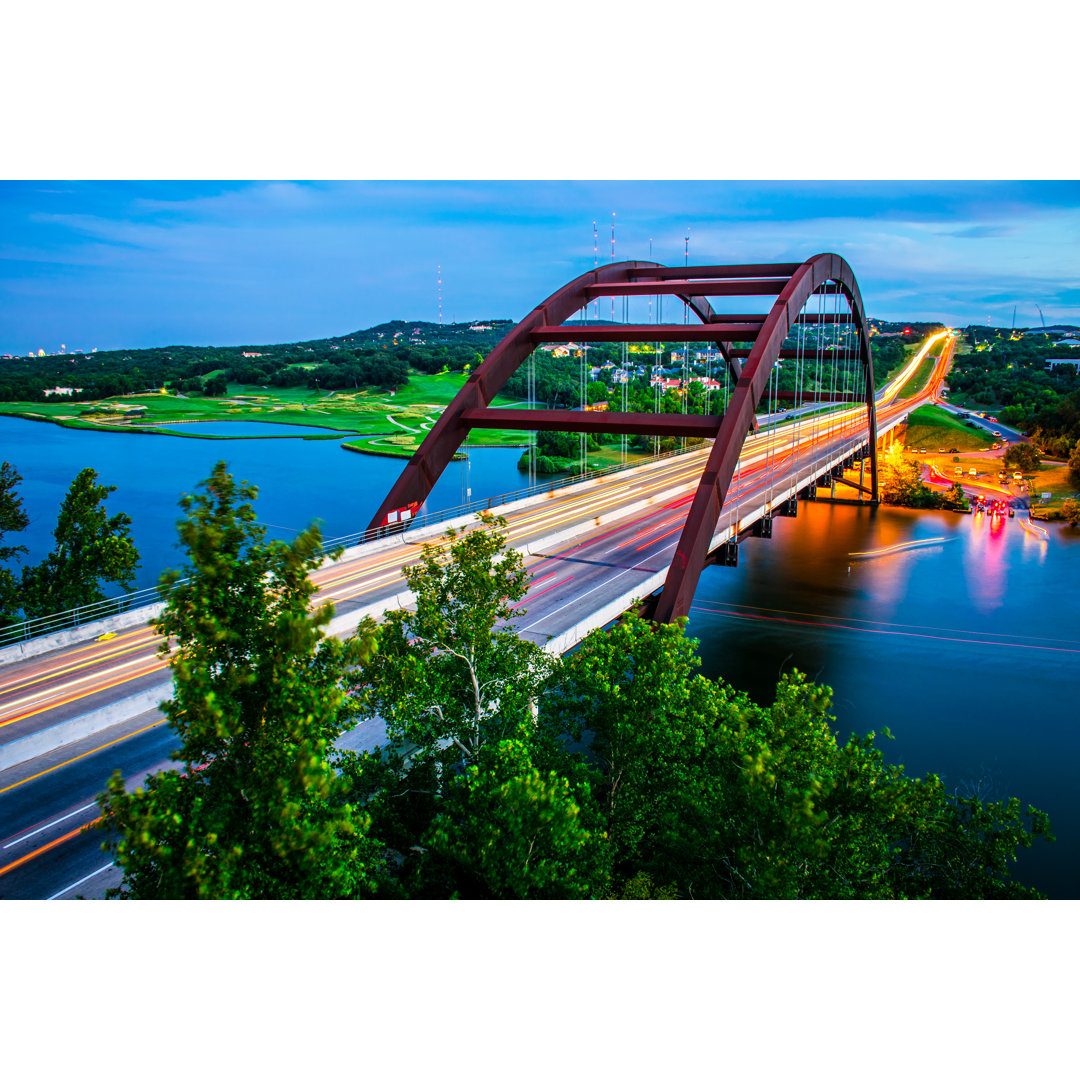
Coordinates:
<point>751,346</point>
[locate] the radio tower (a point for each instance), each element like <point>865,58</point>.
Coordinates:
<point>613,259</point>
<point>439,269</point>
<point>595,264</point>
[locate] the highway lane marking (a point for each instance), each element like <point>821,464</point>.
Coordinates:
<point>49,825</point>
<point>79,882</point>
<point>82,694</point>
<point>48,847</point>
<point>58,672</point>
<point>77,757</point>
<point>71,660</point>
<point>529,599</point>
<point>68,687</point>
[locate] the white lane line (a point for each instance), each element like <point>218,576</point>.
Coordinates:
<point>79,882</point>
<point>89,806</point>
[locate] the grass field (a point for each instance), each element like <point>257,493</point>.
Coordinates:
<point>917,383</point>
<point>1055,480</point>
<point>399,420</point>
<point>930,428</point>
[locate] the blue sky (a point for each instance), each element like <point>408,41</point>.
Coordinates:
<point>135,264</point>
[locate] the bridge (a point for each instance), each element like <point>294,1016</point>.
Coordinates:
<point>626,538</point>
<point>638,537</point>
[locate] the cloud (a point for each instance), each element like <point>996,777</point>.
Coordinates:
<point>980,232</point>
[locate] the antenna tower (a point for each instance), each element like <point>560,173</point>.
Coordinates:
<point>613,259</point>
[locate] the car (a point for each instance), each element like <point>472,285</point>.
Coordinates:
<point>922,450</point>
<point>997,434</point>
<point>1018,476</point>
<point>995,446</point>
<point>973,471</point>
<point>954,450</point>
<point>942,450</point>
<point>958,471</point>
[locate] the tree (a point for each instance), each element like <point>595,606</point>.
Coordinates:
<point>1070,511</point>
<point>508,830</point>
<point>447,677</point>
<point>901,483</point>
<point>1022,457</point>
<point>632,697</point>
<point>954,498</point>
<point>258,810</point>
<point>710,795</point>
<point>12,519</point>
<point>1074,464</point>
<point>92,548</point>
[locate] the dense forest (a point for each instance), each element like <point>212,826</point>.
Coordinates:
<point>380,357</point>
<point>1011,377</point>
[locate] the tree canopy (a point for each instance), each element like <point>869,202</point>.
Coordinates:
<point>258,809</point>
<point>92,549</point>
<point>12,519</point>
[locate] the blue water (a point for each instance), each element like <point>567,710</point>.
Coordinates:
<point>299,481</point>
<point>967,650</point>
<point>236,428</point>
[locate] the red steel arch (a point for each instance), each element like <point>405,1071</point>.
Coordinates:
<point>792,284</point>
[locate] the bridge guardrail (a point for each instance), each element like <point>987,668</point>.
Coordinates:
<point>18,632</point>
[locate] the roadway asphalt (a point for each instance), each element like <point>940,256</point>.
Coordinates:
<point>630,522</point>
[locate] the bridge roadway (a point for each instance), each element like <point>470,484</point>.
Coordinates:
<point>593,549</point>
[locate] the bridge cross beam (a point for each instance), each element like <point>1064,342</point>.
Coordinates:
<point>791,283</point>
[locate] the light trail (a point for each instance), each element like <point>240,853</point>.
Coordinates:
<point>97,667</point>
<point>957,638</point>
<point>896,549</point>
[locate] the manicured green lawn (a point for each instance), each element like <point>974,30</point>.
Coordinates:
<point>930,428</point>
<point>401,419</point>
<point>917,383</point>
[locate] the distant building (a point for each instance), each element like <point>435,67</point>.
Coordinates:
<point>250,354</point>
<point>1070,361</point>
<point>63,391</point>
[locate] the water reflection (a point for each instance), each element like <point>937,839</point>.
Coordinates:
<point>967,651</point>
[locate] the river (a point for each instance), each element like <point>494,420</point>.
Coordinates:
<point>967,648</point>
<point>299,481</point>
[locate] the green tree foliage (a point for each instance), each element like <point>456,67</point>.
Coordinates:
<point>457,794</point>
<point>901,483</point>
<point>258,810</point>
<point>1070,511</point>
<point>1074,464</point>
<point>12,519</point>
<point>713,796</point>
<point>508,830</point>
<point>954,498</point>
<point>447,678</point>
<point>1022,457</point>
<point>92,549</point>
<point>1012,379</point>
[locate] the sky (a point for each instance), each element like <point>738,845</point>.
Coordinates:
<point>133,264</point>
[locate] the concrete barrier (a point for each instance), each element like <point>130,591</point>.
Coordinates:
<point>23,650</point>
<point>41,742</point>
